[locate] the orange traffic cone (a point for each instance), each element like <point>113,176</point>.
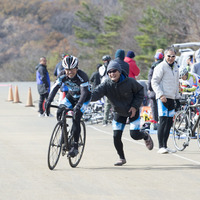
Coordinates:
<point>29,100</point>
<point>16,98</point>
<point>10,94</point>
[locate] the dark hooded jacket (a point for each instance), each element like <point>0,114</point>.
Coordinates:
<point>151,93</point>
<point>123,95</point>
<point>119,57</point>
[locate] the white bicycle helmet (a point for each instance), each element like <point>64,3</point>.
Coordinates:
<point>182,71</point>
<point>70,62</point>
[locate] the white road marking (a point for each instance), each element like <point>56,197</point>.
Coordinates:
<point>140,143</point>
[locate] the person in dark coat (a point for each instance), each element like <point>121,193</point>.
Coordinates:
<point>43,83</point>
<point>95,77</point>
<point>151,94</point>
<point>126,96</point>
<point>119,57</point>
<point>59,66</point>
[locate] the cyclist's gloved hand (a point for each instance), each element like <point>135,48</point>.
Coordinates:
<point>76,109</point>
<point>178,104</point>
<point>59,111</point>
<point>47,107</point>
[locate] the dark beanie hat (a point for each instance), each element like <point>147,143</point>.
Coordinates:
<point>114,65</point>
<point>120,53</point>
<point>130,54</point>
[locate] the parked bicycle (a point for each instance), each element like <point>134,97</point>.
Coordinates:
<point>187,124</point>
<point>62,140</point>
<point>95,113</point>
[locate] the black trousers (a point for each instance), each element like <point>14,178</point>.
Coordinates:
<point>165,123</point>
<point>154,109</point>
<point>164,131</point>
<point>117,134</point>
<point>41,100</point>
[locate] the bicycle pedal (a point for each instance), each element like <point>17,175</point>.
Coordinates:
<point>186,144</point>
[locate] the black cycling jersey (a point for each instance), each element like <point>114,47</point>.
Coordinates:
<point>78,87</point>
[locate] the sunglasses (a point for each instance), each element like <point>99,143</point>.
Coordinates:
<point>170,56</point>
<point>113,71</point>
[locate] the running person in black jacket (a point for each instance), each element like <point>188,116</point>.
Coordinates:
<point>126,96</point>
<point>77,97</point>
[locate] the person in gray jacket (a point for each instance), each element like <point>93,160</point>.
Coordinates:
<point>126,96</point>
<point>165,83</point>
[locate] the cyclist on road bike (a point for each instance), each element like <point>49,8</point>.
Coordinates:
<point>77,97</point>
<point>190,82</point>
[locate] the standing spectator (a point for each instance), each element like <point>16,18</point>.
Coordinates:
<point>43,83</point>
<point>189,63</point>
<point>126,96</point>
<point>165,83</point>
<point>59,66</point>
<point>144,84</point>
<point>133,68</point>
<point>119,57</point>
<point>151,94</point>
<point>103,69</point>
<point>196,67</point>
<point>95,77</point>
<point>103,72</point>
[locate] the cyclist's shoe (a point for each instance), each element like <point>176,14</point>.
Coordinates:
<point>120,162</point>
<point>149,142</point>
<point>73,152</point>
<point>64,147</point>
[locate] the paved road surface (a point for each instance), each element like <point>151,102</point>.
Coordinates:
<point>24,174</point>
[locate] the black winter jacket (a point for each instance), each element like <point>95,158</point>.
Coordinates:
<point>152,94</point>
<point>124,65</point>
<point>123,95</point>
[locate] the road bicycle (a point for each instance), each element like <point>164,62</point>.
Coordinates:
<point>187,124</point>
<point>62,140</point>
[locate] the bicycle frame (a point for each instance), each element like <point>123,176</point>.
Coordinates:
<point>188,109</point>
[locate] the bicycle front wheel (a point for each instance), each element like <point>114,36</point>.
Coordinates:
<point>81,145</point>
<point>55,145</point>
<point>181,131</point>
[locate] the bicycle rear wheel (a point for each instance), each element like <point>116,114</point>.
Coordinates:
<point>81,145</point>
<point>181,131</point>
<point>55,145</point>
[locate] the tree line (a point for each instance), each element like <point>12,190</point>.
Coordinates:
<point>90,29</point>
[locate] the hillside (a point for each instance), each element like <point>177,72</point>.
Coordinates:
<point>30,29</point>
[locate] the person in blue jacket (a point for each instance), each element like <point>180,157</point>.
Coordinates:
<point>43,83</point>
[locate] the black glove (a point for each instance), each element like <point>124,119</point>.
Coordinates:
<point>177,104</point>
<point>76,110</point>
<point>47,107</point>
<point>60,110</point>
